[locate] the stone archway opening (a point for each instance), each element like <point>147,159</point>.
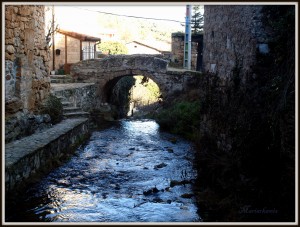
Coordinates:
<point>132,95</point>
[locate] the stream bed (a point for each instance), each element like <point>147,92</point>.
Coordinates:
<point>129,172</point>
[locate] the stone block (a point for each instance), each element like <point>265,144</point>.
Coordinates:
<point>9,41</point>
<point>10,57</point>
<point>17,31</point>
<point>13,105</point>
<point>25,10</point>
<point>10,49</point>
<point>9,33</point>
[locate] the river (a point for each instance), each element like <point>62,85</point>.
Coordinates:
<point>129,172</point>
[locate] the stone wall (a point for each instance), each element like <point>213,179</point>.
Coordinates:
<point>36,155</point>
<point>73,48</point>
<point>26,58</point>
<point>23,124</point>
<point>244,123</point>
<point>59,44</point>
<point>233,34</point>
<point>81,95</point>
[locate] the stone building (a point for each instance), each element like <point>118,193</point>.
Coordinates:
<point>232,36</point>
<point>27,79</point>
<point>71,47</point>
<point>178,50</point>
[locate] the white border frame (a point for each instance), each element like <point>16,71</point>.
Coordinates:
<point>152,4</point>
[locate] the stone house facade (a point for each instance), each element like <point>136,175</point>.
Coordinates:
<point>232,36</point>
<point>27,80</point>
<point>71,47</point>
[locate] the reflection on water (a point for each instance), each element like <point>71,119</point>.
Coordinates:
<point>122,174</point>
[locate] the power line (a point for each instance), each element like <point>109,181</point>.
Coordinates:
<point>122,15</point>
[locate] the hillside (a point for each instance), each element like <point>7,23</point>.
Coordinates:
<point>128,29</point>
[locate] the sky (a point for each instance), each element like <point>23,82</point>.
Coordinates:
<point>82,17</point>
<point>165,11</point>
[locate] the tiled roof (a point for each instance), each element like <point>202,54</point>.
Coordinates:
<point>79,36</point>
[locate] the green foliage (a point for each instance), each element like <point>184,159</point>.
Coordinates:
<point>60,72</point>
<point>197,20</point>
<point>130,29</point>
<point>112,47</point>
<point>54,108</point>
<point>151,90</point>
<point>181,118</point>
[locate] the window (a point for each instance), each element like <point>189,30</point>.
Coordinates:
<point>88,50</point>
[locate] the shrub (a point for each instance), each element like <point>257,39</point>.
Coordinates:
<point>181,118</point>
<point>54,108</point>
<point>112,47</point>
<point>60,72</point>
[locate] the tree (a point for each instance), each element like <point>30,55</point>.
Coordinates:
<point>52,27</point>
<point>197,19</point>
<point>112,47</point>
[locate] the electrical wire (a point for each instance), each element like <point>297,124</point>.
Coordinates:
<point>122,15</point>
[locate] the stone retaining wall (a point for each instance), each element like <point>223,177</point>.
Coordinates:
<point>82,95</point>
<point>22,124</point>
<point>34,155</point>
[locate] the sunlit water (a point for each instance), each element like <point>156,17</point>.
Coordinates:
<point>122,174</point>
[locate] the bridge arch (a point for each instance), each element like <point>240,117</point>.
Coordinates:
<point>106,72</point>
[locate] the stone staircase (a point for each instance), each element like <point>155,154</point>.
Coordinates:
<point>61,79</point>
<point>70,110</point>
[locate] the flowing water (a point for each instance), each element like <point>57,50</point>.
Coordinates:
<point>130,172</point>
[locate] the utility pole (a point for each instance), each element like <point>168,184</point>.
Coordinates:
<point>187,39</point>
<point>53,48</point>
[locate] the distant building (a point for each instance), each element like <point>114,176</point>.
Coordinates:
<point>71,47</point>
<point>136,47</point>
<point>178,50</point>
<point>107,34</point>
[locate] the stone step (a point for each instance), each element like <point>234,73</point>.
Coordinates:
<point>76,114</point>
<point>61,81</point>
<point>62,98</point>
<point>72,109</point>
<point>67,104</point>
<point>59,76</point>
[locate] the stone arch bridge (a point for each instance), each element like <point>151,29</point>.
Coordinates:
<point>106,72</point>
